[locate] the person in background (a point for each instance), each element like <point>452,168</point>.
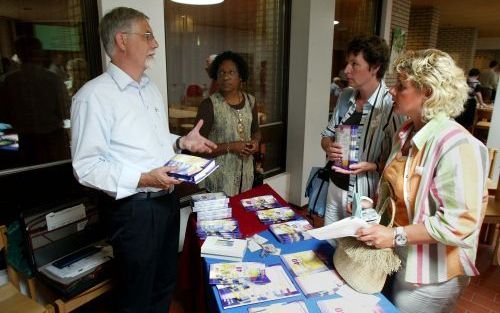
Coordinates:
<point>368,104</point>
<point>466,119</point>
<point>77,73</point>
<point>120,142</point>
<point>57,66</point>
<point>35,102</point>
<point>489,81</point>
<point>231,122</point>
<point>437,174</point>
<point>213,82</point>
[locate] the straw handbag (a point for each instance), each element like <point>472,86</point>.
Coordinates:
<point>363,267</point>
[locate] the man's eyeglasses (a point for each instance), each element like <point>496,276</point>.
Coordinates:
<point>231,74</point>
<point>148,35</point>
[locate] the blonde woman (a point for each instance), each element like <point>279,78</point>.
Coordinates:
<point>437,172</point>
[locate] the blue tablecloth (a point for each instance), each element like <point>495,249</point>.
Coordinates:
<point>311,244</point>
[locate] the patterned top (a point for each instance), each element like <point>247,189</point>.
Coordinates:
<point>377,128</point>
<point>450,199</point>
<point>234,171</point>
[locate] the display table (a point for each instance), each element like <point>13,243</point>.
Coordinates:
<point>311,244</point>
<point>192,278</point>
<point>191,282</point>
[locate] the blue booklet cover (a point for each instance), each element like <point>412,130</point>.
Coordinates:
<point>190,168</point>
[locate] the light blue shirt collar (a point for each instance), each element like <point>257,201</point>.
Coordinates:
<point>123,80</point>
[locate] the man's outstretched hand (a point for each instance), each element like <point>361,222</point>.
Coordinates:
<point>195,142</point>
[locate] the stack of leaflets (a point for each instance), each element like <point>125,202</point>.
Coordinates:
<point>227,228</point>
<point>190,168</point>
<point>224,249</point>
<point>237,273</point>
<point>285,307</point>
<point>211,206</point>
<point>311,274</point>
<point>278,287</point>
<point>260,203</point>
<point>291,231</point>
<point>278,215</point>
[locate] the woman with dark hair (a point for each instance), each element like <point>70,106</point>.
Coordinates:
<point>230,120</point>
<point>466,119</point>
<point>367,104</point>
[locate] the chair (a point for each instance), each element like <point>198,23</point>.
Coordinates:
<point>11,299</point>
<point>482,119</point>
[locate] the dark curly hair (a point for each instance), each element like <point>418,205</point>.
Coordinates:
<point>474,72</point>
<point>375,52</point>
<point>241,65</point>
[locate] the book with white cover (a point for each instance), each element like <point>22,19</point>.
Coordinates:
<point>320,283</point>
<point>220,248</point>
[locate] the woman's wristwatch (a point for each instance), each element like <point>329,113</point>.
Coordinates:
<point>400,238</point>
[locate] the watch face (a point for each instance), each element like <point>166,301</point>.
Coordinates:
<point>401,240</point>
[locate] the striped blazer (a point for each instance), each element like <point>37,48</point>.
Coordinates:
<point>450,199</point>
<point>377,129</point>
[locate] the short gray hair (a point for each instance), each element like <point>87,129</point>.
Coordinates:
<point>117,20</point>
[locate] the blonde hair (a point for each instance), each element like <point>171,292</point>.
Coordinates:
<point>434,71</point>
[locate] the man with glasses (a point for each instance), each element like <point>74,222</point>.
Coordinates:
<point>120,141</point>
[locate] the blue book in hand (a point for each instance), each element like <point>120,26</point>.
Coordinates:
<point>190,168</point>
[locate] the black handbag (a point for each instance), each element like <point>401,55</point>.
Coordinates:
<point>317,189</point>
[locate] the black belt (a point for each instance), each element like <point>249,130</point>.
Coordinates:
<point>149,195</point>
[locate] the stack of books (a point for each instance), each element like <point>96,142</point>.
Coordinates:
<point>311,274</point>
<point>291,231</point>
<point>277,215</point>
<point>260,203</point>
<point>211,206</point>
<point>225,228</point>
<point>224,249</point>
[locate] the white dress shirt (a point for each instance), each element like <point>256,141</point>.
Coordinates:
<point>119,130</point>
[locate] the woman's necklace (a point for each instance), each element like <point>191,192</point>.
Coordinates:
<point>228,101</point>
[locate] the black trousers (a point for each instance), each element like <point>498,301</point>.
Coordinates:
<point>144,234</point>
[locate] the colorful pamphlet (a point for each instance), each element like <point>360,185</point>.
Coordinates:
<point>291,231</point>
<point>277,215</point>
<point>260,203</point>
<point>236,273</point>
<point>280,286</point>
<point>304,262</point>
<point>347,137</point>
<point>190,168</point>
<point>285,307</point>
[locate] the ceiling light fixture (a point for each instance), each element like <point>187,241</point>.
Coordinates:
<point>198,2</point>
